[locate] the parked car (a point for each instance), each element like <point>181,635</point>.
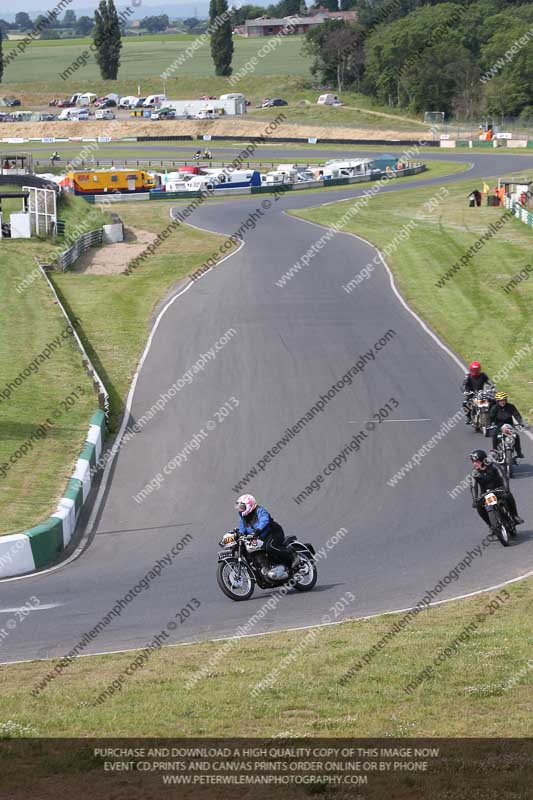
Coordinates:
<point>64,103</point>
<point>108,104</point>
<point>47,117</point>
<point>104,113</point>
<point>12,101</point>
<point>277,101</point>
<point>232,96</point>
<point>137,102</point>
<point>208,97</point>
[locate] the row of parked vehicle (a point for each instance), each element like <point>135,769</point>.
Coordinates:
<point>111,100</point>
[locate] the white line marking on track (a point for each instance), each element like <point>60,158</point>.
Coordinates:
<point>43,607</point>
<point>289,630</point>
<point>418,419</point>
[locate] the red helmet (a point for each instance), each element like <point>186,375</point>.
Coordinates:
<point>474,368</point>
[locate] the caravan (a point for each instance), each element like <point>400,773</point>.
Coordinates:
<point>329,100</point>
<point>154,100</point>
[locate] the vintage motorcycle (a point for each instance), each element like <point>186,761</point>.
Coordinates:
<point>504,452</point>
<point>500,520</point>
<point>243,563</point>
<point>478,405</point>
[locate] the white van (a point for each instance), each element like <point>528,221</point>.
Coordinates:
<point>329,100</point>
<point>75,114</point>
<point>232,96</point>
<point>154,100</point>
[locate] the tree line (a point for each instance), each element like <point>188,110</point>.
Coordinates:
<point>465,57</point>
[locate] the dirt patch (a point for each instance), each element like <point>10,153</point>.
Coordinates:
<point>223,127</point>
<point>112,259</point>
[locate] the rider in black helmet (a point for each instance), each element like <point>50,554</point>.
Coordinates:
<point>487,476</point>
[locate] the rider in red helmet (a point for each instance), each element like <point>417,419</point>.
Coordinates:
<point>473,381</point>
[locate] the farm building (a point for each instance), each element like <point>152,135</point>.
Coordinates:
<point>270,26</point>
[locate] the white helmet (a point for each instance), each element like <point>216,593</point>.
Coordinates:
<point>246,504</point>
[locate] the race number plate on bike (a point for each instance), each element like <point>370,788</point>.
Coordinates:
<point>491,500</point>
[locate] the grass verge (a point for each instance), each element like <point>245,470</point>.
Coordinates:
<point>469,694</point>
<point>40,367</point>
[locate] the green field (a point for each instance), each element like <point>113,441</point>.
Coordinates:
<point>283,72</point>
<point>148,56</point>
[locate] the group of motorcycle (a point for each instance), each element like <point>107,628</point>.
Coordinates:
<point>477,405</point>
<point>243,561</point>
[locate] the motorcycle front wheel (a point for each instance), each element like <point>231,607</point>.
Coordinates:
<point>503,534</point>
<point>235,586</point>
<point>509,463</point>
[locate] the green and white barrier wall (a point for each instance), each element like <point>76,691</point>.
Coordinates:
<point>37,547</point>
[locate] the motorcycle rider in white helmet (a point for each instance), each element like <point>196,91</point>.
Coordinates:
<point>254,520</point>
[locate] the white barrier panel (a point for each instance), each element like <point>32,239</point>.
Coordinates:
<point>16,556</point>
<point>66,511</point>
<point>83,473</point>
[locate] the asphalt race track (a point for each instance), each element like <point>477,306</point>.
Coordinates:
<point>290,346</point>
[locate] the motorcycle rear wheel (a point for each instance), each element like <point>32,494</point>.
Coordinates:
<point>235,589</point>
<point>306,577</point>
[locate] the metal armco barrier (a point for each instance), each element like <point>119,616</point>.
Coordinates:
<point>67,258</point>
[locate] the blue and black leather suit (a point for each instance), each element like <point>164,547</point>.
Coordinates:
<point>260,524</point>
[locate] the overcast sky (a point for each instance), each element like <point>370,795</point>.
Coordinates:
<point>31,6</point>
<point>7,9</point>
